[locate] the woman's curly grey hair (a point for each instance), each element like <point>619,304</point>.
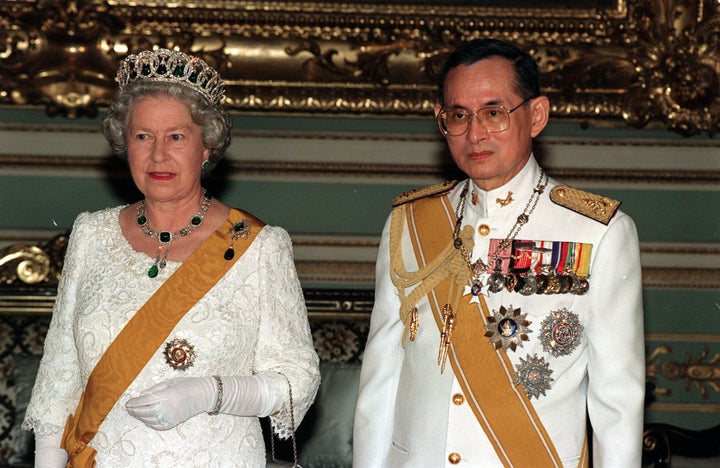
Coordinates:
<point>214,120</point>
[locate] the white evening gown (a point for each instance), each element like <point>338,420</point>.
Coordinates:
<point>253,320</point>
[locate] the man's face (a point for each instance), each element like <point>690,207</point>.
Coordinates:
<point>492,159</point>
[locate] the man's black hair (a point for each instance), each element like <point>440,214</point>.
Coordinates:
<point>527,80</point>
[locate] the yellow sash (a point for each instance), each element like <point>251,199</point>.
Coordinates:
<point>486,376</point>
<point>141,337</point>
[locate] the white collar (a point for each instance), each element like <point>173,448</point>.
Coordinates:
<point>509,198</point>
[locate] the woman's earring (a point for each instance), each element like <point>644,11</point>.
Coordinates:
<point>206,165</point>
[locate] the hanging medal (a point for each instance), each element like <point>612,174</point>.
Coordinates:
<point>496,281</point>
<point>530,285</point>
<point>474,289</point>
<point>477,268</point>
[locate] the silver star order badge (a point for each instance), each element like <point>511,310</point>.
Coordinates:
<point>561,332</point>
<point>533,375</point>
<point>507,328</point>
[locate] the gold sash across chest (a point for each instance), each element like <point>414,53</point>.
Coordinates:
<point>143,335</point>
<point>501,407</point>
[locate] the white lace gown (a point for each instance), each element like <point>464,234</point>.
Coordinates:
<point>252,321</point>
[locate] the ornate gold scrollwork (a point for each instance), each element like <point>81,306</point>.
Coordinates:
<point>28,264</point>
<point>23,264</point>
<point>699,372</point>
<point>638,62</point>
<point>56,59</point>
<point>649,441</point>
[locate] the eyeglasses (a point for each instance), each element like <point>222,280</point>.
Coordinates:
<point>495,119</point>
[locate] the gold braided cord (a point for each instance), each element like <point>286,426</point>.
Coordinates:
<point>448,263</point>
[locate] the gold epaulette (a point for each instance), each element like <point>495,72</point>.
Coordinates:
<point>416,194</point>
<point>593,206</point>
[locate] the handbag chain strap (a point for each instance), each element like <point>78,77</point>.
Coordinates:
<point>292,425</point>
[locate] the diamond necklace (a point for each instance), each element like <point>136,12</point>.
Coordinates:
<point>479,267</point>
<point>165,238</point>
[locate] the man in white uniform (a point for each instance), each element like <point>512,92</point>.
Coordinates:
<point>508,307</point>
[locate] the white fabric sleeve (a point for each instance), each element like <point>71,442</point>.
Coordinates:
<point>284,351</point>
<point>58,384</point>
<point>380,373</point>
<point>48,453</point>
<point>616,361</point>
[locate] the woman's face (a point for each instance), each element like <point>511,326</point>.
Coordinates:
<point>165,149</point>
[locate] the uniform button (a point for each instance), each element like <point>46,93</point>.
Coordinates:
<point>484,229</point>
<point>454,458</point>
<point>458,399</point>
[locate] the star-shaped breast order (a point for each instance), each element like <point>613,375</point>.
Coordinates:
<point>507,328</point>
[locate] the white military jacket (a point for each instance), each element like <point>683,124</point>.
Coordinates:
<point>409,414</point>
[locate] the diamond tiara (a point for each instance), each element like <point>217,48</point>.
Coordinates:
<point>173,67</point>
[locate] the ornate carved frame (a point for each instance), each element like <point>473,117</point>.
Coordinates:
<point>636,62</point>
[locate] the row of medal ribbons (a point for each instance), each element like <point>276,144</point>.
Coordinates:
<point>541,267</point>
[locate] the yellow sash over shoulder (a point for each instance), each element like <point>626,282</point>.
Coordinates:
<point>486,375</point>
<point>135,345</point>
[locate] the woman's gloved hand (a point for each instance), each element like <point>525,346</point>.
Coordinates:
<point>48,453</point>
<point>169,403</point>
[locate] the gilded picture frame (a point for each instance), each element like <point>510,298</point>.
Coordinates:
<point>643,63</point>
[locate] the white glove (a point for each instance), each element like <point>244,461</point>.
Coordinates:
<point>169,403</point>
<point>48,453</point>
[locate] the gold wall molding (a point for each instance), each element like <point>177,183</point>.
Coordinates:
<point>690,337</point>
<point>700,372</point>
<point>342,305</point>
<point>680,278</point>
<point>684,407</point>
<point>644,63</point>
<point>338,272</point>
<point>238,168</point>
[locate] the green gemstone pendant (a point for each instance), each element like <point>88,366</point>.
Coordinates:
<point>165,238</point>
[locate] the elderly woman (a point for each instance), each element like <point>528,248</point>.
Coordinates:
<point>179,321</point>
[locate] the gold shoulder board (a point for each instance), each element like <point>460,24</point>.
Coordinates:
<point>424,192</point>
<point>593,206</point>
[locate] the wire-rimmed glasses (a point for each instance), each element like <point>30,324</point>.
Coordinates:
<point>494,119</point>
